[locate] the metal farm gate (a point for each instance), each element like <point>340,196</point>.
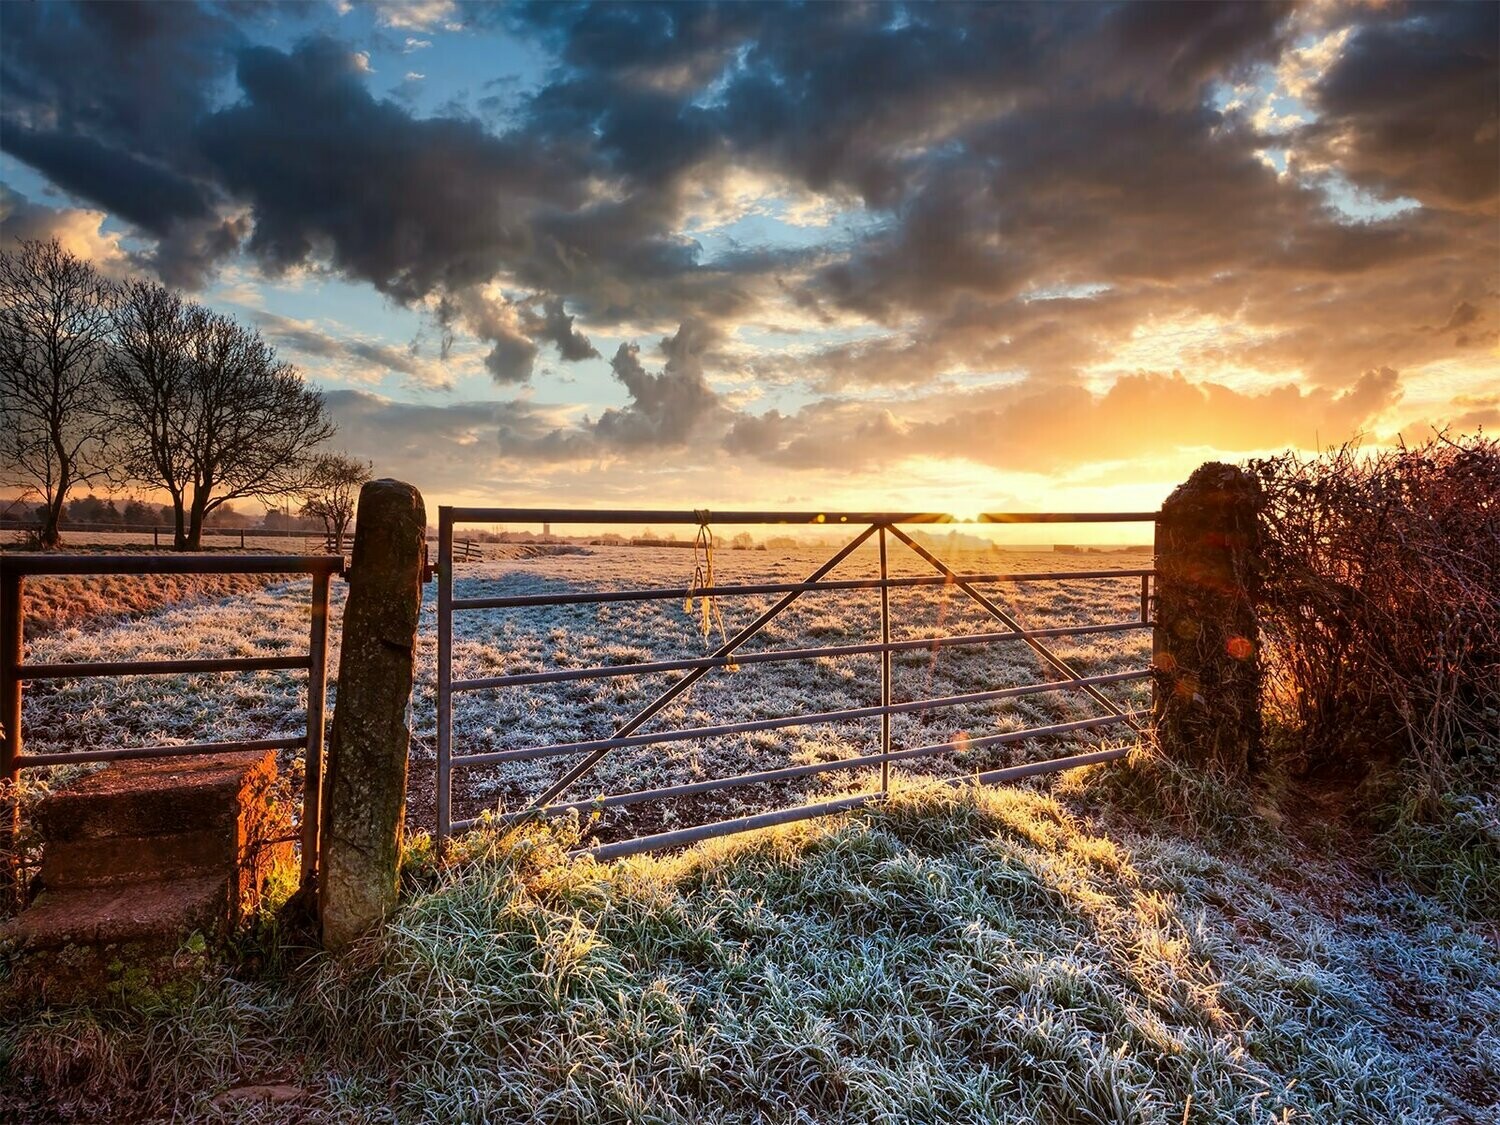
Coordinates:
<point>883,527</point>
<point>15,569</point>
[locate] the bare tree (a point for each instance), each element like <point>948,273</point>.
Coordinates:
<point>147,377</point>
<point>54,331</point>
<point>332,490</point>
<point>205,409</point>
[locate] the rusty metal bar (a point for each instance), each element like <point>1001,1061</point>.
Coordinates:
<point>750,726</point>
<point>33,564</point>
<point>13,569</point>
<point>999,614</point>
<point>649,516</point>
<point>1145,598</point>
<point>444,675</point>
<point>776,656</point>
<point>788,773</point>
<point>518,601</point>
<point>138,752</point>
<point>77,670</point>
<point>11,644</point>
<point>696,674</point>
<point>885,669</point>
<point>1158,641</point>
<point>1068,517</point>
<point>684,836</point>
<point>142,529</point>
<point>317,701</point>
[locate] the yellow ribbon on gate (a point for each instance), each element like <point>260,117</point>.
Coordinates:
<point>703,579</point>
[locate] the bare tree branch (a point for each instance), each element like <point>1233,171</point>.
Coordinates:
<point>206,410</point>
<point>55,323</point>
<point>332,492</point>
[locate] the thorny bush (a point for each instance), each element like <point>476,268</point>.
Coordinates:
<point>1381,605</point>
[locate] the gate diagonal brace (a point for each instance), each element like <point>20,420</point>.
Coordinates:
<point>1004,618</point>
<point>637,720</point>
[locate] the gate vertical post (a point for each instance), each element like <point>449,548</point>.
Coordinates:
<point>364,797</point>
<point>317,702</point>
<point>1206,643</point>
<point>11,641</point>
<point>885,669</point>
<point>444,677</point>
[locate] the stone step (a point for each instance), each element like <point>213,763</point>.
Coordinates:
<point>157,915</point>
<point>112,860</point>
<point>160,797</point>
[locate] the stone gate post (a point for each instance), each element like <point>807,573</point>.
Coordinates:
<point>1206,647</point>
<point>365,790</point>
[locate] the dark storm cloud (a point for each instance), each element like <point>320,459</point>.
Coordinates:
<point>408,205</point>
<point>993,152</point>
<point>133,75</point>
<point>142,193</point>
<point>554,325</point>
<point>1412,106</point>
<point>439,206</point>
<point>668,410</point>
<point>102,98</point>
<point>1172,47</point>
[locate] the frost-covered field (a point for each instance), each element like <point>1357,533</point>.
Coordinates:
<point>69,714</point>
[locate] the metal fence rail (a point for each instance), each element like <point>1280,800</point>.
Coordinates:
<point>14,671</point>
<point>880,526</point>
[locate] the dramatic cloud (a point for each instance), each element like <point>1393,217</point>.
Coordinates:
<point>77,230</point>
<point>1056,428</point>
<point>861,232</point>
<point>351,357</point>
<point>669,410</point>
<point>1412,106</point>
<point>554,325</point>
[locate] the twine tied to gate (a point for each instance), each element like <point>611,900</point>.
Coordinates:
<point>703,579</point>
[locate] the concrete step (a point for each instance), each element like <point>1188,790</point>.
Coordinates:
<point>162,797</point>
<point>158,915</point>
<point>115,860</point>
<point>136,859</point>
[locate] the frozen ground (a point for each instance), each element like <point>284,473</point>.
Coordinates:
<point>142,710</point>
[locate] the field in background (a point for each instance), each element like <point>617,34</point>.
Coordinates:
<point>271,620</point>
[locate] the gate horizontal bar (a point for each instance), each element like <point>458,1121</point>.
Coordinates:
<point>293,743</point>
<point>750,726</point>
<point>77,670</point>
<point>682,837</point>
<point>32,564</point>
<point>1068,517</point>
<point>695,519</point>
<point>787,773</point>
<point>520,600</point>
<point>785,654</point>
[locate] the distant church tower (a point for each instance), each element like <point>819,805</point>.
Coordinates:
<point>546,530</point>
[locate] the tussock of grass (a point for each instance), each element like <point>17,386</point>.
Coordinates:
<point>1153,788</point>
<point>954,956</point>
<point>1443,834</point>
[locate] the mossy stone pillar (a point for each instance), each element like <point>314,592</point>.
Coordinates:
<point>1206,650</point>
<point>365,791</point>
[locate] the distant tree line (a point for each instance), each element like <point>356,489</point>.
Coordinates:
<point>130,513</point>
<point>131,384</point>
